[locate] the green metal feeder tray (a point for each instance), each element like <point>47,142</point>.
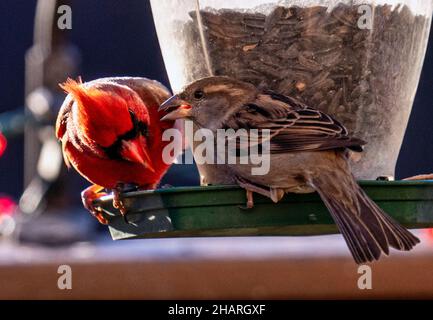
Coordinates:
<point>217,211</point>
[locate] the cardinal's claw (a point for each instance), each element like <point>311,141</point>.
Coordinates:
<point>100,217</point>
<point>88,196</point>
<point>118,203</point>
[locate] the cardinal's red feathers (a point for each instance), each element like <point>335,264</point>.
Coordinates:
<point>111,133</point>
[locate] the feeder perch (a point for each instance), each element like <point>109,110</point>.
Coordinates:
<point>216,211</point>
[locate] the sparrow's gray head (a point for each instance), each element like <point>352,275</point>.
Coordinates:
<point>208,100</point>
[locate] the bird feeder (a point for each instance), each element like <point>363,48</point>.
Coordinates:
<point>359,61</point>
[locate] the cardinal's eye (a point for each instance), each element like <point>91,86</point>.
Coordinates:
<point>198,94</point>
<point>142,128</point>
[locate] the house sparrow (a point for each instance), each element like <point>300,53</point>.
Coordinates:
<point>308,152</point>
<point>111,134</point>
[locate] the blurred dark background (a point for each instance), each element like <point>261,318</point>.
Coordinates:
<point>114,38</point>
<point>118,38</point>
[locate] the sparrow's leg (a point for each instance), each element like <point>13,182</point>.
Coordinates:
<point>88,196</point>
<point>118,202</point>
<point>250,188</point>
<point>420,177</point>
<point>250,199</point>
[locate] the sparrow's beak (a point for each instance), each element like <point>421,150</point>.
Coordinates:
<point>135,151</point>
<point>176,108</point>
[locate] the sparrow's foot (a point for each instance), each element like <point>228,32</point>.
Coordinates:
<point>250,188</point>
<point>88,196</point>
<point>250,201</point>
<point>420,177</point>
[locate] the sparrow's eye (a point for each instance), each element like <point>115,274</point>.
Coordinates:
<point>198,94</point>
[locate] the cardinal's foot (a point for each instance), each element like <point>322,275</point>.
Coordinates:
<point>118,202</point>
<point>88,196</point>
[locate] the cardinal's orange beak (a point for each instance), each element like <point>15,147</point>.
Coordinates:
<point>135,151</point>
<point>176,108</point>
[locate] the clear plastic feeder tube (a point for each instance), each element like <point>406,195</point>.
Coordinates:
<point>359,61</point>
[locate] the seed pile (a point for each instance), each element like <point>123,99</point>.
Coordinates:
<point>363,77</point>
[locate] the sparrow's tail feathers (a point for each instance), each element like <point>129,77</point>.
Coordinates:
<point>367,229</point>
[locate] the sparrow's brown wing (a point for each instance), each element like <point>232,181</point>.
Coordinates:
<point>292,125</point>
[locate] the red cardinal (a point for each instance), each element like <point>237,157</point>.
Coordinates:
<point>111,134</point>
